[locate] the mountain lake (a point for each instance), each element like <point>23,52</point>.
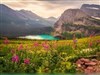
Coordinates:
<point>39,37</point>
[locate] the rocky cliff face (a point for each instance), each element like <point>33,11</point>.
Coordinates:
<point>91,9</point>
<point>75,20</point>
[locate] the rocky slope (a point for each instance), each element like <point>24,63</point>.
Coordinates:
<point>91,9</point>
<point>76,20</point>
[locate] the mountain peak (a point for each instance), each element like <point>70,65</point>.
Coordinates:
<point>74,12</point>
<point>91,5</point>
<point>29,13</point>
<point>3,6</point>
<point>75,17</point>
<point>72,15</point>
<point>22,10</point>
<point>91,9</point>
<point>51,18</point>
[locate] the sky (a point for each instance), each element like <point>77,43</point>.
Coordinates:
<point>47,8</point>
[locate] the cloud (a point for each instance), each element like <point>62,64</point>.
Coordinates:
<point>47,8</point>
<point>52,4</point>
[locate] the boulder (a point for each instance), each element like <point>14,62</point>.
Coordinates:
<point>91,63</point>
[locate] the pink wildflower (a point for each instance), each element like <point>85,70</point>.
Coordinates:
<point>98,41</point>
<point>15,58</point>
<point>90,44</point>
<point>74,41</point>
<point>92,34</point>
<point>36,44</point>
<point>13,51</point>
<point>26,61</point>
<point>45,45</point>
<point>6,41</point>
<point>20,47</point>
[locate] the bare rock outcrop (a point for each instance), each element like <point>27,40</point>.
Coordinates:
<point>88,66</point>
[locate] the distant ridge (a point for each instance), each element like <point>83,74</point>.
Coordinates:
<point>23,22</point>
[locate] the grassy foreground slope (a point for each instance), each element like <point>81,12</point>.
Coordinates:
<point>30,56</point>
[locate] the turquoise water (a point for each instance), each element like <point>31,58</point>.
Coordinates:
<point>48,37</point>
<point>40,37</point>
